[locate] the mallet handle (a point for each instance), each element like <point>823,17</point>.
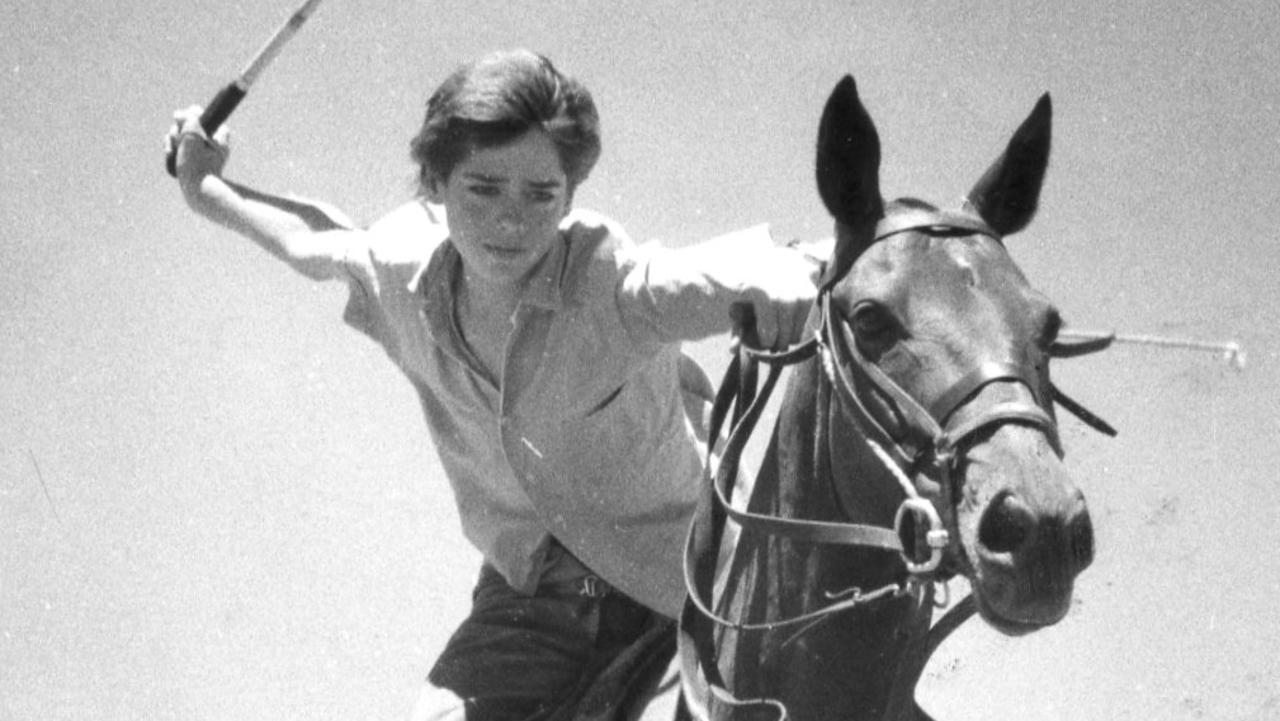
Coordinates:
<point>225,102</point>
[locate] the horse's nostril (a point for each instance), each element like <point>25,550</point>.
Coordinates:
<point>1081,530</point>
<point>1006,524</point>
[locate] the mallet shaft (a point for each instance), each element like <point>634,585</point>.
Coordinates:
<point>225,102</point>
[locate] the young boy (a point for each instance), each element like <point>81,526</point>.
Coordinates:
<point>545,348</point>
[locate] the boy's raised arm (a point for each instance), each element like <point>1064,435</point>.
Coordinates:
<point>308,236</point>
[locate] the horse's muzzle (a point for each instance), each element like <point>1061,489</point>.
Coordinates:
<point>1031,537</point>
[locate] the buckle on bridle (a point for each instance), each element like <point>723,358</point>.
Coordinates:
<point>936,536</point>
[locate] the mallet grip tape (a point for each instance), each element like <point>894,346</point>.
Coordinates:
<point>219,109</point>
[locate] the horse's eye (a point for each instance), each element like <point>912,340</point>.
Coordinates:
<point>872,322</point>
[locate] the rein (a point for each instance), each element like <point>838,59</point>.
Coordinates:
<point>851,377</point>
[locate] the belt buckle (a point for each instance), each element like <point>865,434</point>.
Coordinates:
<point>593,587</point>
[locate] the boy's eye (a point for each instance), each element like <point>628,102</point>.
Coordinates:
<point>486,190</point>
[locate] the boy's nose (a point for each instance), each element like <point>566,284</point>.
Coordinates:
<point>511,220</point>
<point>510,224</point>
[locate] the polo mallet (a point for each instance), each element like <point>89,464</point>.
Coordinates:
<point>222,105</point>
<point>1230,351</point>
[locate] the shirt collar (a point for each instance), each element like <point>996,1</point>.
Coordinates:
<point>435,279</point>
<point>544,288</point>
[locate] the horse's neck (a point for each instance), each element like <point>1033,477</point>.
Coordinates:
<point>843,667</point>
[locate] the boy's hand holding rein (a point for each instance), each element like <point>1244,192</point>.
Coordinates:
<point>781,313</point>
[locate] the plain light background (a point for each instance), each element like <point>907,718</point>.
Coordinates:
<point>218,502</point>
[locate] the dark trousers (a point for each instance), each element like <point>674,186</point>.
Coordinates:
<point>518,657</point>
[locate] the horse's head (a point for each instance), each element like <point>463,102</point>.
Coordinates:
<point>943,348</point>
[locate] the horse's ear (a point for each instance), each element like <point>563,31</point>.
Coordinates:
<point>1008,194</point>
<point>848,164</point>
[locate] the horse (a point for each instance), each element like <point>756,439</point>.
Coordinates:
<point>916,441</point>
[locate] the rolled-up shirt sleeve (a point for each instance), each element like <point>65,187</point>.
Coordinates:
<point>670,295</point>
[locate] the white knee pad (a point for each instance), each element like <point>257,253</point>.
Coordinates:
<point>438,704</point>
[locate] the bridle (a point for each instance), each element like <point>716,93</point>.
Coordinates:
<point>932,444</point>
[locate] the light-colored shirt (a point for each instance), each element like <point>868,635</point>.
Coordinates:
<point>585,435</point>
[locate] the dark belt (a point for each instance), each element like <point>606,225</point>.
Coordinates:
<point>588,585</point>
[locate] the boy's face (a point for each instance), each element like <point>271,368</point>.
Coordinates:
<point>504,206</point>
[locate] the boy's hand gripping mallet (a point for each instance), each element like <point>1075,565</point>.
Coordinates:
<point>229,97</point>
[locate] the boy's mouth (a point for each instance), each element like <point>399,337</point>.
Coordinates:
<point>504,251</point>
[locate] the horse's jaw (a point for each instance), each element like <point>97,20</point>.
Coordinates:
<point>1024,528</point>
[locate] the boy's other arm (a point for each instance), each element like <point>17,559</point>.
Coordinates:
<point>695,291</point>
<point>306,235</point>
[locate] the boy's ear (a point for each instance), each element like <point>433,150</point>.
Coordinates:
<point>434,187</point>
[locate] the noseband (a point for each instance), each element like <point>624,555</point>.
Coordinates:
<point>931,443</point>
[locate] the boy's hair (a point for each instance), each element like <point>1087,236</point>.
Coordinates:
<point>495,100</point>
